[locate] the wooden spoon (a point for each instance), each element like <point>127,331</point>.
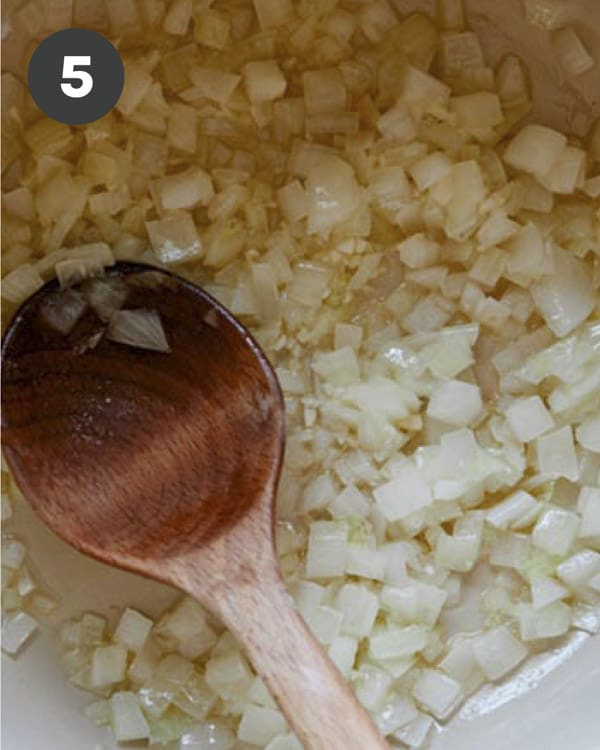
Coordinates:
<point>166,464</point>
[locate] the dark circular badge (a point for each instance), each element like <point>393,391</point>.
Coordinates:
<point>76,76</point>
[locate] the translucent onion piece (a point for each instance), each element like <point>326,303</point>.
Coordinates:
<point>21,283</point>
<point>333,195</point>
<point>567,297</point>
<point>548,14</point>
<point>572,54</point>
<point>17,629</point>
<point>139,328</point>
<point>105,296</point>
<point>62,310</point>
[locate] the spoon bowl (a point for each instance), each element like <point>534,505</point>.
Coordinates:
<point>166,464</point>
<point>125,452</point>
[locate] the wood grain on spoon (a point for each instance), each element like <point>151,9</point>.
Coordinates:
<point>167,465</point>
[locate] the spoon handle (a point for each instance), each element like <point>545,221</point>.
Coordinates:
<point>311,692</point>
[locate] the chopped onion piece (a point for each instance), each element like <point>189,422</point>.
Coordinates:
<point>529,418</point>
<point>324,91</point>
<point>259,725</point>
<point>437,693</point>
<point>566,298</point>
<point>572,55</point>
<point>127,720</point>
<point>458,552</point>
<point>556,454</point>
<point>109,664</point>
<point>187,629</point>
<point>416,602</point>
<point>578,570</point>
<point>132,630</point>
<point>21,283</point>
<point>418,251</point>
<point>17,629</point>
<point>325,623</point>
<point>212,29</point>
<point>327,545</point>
<point>550,621</point>
<point>264,81</point>
<point>414,734</point>
<point>175,238</point>
<point>347,334</point>
<point>510,512</point>
<point>292,201</point>
<point>137,83</point>
<point>548,14</point>
<point>397,123</point>
<point>456,403</point>
<point>496,229</point>
<point>213,735</point>
<point>475,112</point>
<point>62,310</point>
<point>273,13</point>
<point>105,296</point>
<point>333,195</point>
<point>177,18</point>
<point>139,328</point>
<point>568,173</point>
<point>394,642</point>
<point>535,150</point>
<point>545,591</point>
<point>498,652</point>
<point>359,608</point>
<point>430,170</point>
<point>556,531</point>
<point>73,271</point>
<point>339,367</point>
<point>511,81</point>
<point>403,495</point>
<point>395,714</point>
<point>588,504</point>
<point>185,189</point>
<point>214,84</point>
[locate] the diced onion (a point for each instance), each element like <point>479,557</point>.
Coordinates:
<point>259,725</point>
<point>556,530</point>
<point>547,14</point>
<point>456,403</point>
<point>498,652</point>
<point>535,150</point>
<point>17,629</point>
<point>62,311</point>
<point>21,283</point>
<point>175,238</point>
<point>572,54</point>
<point>333,195</point>
<point>185,189</point>
<point>138,328</point>
<point>567,297</point>
<point>105,296</point>
<point>437,693</point>
<point>127,719</point>
<point>588,434</point>
<point>264,81</point>
<point>529,418</point>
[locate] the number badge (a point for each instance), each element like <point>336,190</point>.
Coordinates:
<point>76,76</point>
